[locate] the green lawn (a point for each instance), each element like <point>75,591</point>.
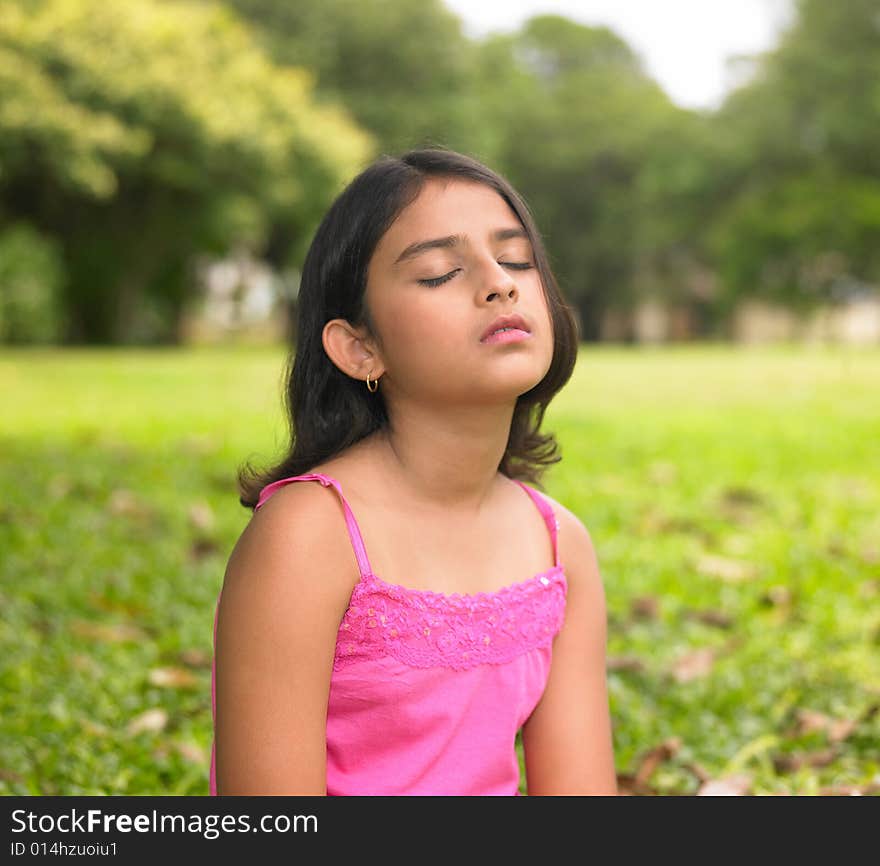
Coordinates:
<point>733,497</point>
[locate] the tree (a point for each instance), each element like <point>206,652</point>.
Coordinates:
<point>802,164</point>
<point>141,134</point>
<point>403,68</point>
<point>581,125</point>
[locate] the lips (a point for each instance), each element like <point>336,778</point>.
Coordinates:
<point>512,321</point>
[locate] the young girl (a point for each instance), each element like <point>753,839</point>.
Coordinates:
<point>391,626</point>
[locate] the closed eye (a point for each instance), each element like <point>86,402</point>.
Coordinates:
<point>436,281</point>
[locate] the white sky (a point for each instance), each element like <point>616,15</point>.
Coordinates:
<point>683,43</point>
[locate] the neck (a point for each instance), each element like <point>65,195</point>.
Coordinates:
<point>450,462</point>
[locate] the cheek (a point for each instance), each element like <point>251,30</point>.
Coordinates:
<point>426,323</point>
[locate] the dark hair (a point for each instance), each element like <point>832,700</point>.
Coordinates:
<point>327,410</point>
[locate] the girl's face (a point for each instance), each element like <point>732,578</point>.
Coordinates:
<point>432,303</point>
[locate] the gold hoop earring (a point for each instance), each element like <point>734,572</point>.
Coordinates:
<point>375,385</point>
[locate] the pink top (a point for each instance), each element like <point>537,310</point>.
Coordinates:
<point>429,690</point>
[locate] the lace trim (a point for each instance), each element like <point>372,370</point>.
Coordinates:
<point>426,629</point>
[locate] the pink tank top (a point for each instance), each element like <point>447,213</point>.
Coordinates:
<point>428,690</point>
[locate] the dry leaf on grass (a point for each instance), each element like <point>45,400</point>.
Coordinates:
<point>791,762</point>
<point>656,756</point>
<point>777,596</point>
<point>711,617</point>
<point>173,678</point>
<point>203,547</point>
<point>151,721</point>
<point>693,665</point>
<point>726,569</point>
<point>195,658</point>
<point>201,516</point>
<point>624,663</point>
<point>628,786</point>
<point>95,729</point>
<point>192,752</point>
<point>107,632</point>
<point>10,776</point>
<point>809,721</point>
<point>662,472</point>
<point>645,607</point>
<point>123,503</point>
<point>737,785</point>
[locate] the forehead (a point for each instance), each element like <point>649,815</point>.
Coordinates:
<point>447,207</point>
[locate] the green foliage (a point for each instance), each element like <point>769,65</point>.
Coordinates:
<point>402,68</point>
<point>30,278</point>
<point>141,134</point>
<point>579,138</point>
<point>763,460</point>
<point>801,164</point>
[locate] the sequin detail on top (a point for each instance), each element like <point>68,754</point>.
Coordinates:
<point>428,629</point>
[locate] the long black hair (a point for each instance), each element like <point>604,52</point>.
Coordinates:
<point>327,410</point>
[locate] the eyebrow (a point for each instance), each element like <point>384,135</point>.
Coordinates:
<point>455,241</point>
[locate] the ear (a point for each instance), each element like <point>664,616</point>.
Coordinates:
<point>351,350</point>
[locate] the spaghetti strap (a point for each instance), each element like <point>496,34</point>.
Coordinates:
<point>354,533</point>
<point>547,513</point>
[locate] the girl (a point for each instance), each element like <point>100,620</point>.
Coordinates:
<point>390,628</point>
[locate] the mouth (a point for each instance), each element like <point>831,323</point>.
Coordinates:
<point>505,329</point>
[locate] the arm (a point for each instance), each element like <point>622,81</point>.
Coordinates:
<point>285,591</point>
<point>567,740</point>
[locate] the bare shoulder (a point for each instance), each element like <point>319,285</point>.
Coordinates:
<point>576,549</point>
<point>287,585</point>
<point>567,740</point>
<point>296,540</point>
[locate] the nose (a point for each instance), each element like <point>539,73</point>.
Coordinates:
<point>501,282</point>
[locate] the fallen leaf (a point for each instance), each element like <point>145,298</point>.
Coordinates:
<point>195,658</point>
<point>125,503</point>
<point>737,544</point>
<point>662,472</point>
<point>795,761</point>
<point>60,486</point>
<point>698,770</point>
<point>201,516</point>
<point>10,776</point>
<point>173,678</point>
<point>198,443</point>
<point>778,596</point>
<point>203,547</point>
<point>151,721</point>
<point>869,588</point>
<point>662,752</point>
<point>730,786</point>
<point>95,729</point>
<point>110,605</point>
<point>711,617</point>
<point>82,662</point>
<point>808,722</point>
<point>624,663</point>
<point>645,607</point>
<point>693,665</point>
<point>840,729</point>
<point>629,786</point>
<point>107,632</point>
<point>728,570</point>
<point>870,554</point>
<point>192,752</point>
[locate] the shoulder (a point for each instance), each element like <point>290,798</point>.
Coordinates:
<point>577,553</point>
<point>294,544</point>
<point>574,538</point>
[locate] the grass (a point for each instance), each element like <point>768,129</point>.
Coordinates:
<point>733,497</point>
